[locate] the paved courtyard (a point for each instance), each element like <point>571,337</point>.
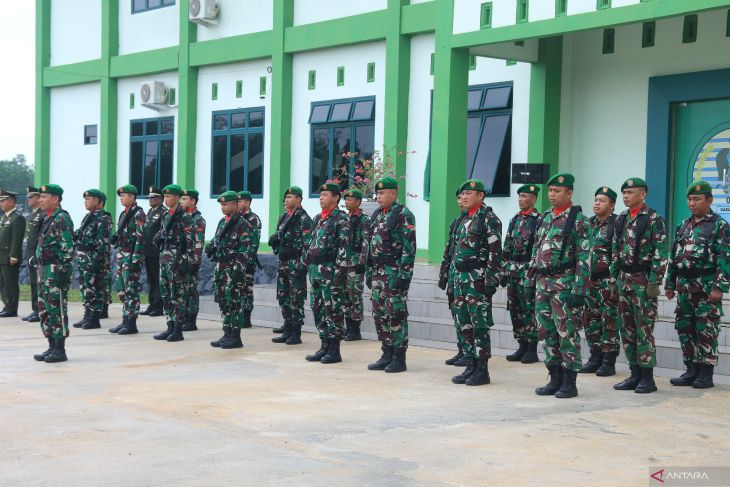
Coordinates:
<point>133,411</point>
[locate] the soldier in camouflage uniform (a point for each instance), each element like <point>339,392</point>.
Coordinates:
<point>352,299</point>
<point>639,263</point>
<point>517,253</point>
<point>176,241</point>
<point>231,250</point>
<point>560,268</point>
<point>32,229</point>
<point>189,202</point>
<point>151,253</point>
<point>389,252</point>
<point>327,258</point>
<point>129,242</point>
<point>53,258</point>
<point>698,273</point>
<point>474,271</point>
<point>293,232</point>
<point>244,208</point>
<point>107,273</point>
<point>92,247</point>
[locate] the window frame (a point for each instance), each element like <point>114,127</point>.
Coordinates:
<point>87,138</point>
<point>147,8</point>
<point>144,138</point>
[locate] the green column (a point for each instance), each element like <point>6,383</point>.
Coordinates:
<point>448,143</point>
<point>108,102</point>
<point>42,94</point>
<point>187,112</point>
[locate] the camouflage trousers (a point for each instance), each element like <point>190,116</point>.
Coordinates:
<point>92,281</point>
<point>33,278</point>
<point>450,299</point>
<point>521,306</point>
<point>599,318</point>
<point>352,298</point>
<point>173,289</point>
<point>636,315</point>
<point>52,303</point>
<point>390,308</point>
<point>107,275</point>
<point>558,325</point>
<point>192,302</point>
<point>248,288</point>
<point>291,291</point>
<point>128,288</point>
<point>473,311</point>
<point>326,301</point>
<point>228,293</point>
<point>698,325</point>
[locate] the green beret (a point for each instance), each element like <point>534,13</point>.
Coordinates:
<point>562,180</point>
<point>605,190</point>
<point>295,190</point>
<point>354,193</point>
<point>699,187</point>
<point>172,189</point>
<point>94,193</point>
<point>386,183</point>
<point>634,183</point>
<point>333,188</point>
<point>52,189</point>
<point>228,196</point>
<point>192,193</point>
<point>529,188</point>
<point>128,188</point>
<point>458,192</point>
<point>473,185</point>
<point>103,197</point>
<point>244,195</point>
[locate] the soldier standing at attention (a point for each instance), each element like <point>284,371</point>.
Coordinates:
<point>352,299</point>
<point>389,252</point>
<point>293,232</point>
<point>327,257</point>
<point>53,257</point>
<point>189,201</point>
<point>129,242</point>
<point>12,231</point>
<point>176,243</point>
<point>518,245</point>
<point>231,251</point>
<point>599,318</point>
<point>639,263</point>
<point>107,266</point>
<point>35,220</point>
<point>151,252</point>
<point>92,246</point>
<point>561,268</point>
<point>698,274</point>
<point>475,270</point>
<point>244,208</point>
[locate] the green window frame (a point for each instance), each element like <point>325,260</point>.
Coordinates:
<point>239,88</point>
<point>312,79</point>
<point>603,4</point>
<point>131,100</point>
<point>371,72</point>
<point>648,34</point>
<point>90,134</point>
<point>151,152</point>
<point>485,17</point>
<point>523,11</point>
<point>433,61</point>
<point>341,76</point>
<point>727,27</point>
<point>689,31</point>
<point>214,91</point>
<point>262,86</point>
<point>237,151</point>
<point>609,41</point>
<point>172,97</point>
<point>561,8</point>
<point>472,62</point>
<point>146,5</point>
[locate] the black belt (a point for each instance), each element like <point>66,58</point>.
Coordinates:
<point>467,266</point>
<point>692,273</point>
<point>634,268</point>
<point>595,276</point>
<point>555,269</point>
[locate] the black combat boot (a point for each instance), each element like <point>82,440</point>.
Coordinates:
<point>92,322</point>
<point>177,333</point>
<point>285,334</point>
<point>58,354</point>
<point>353,331</point>
<point>456,357</point>
<point>480,376</point>
<point>470,368</point>
<point>689,376</point>
<point>384,359</point>
<point>608,366</point>
<point>121,325</point>
<point>568,388</point>
<point>704,378</point>
<point>191,324</point>
<point>333,352</point>
<point>104,311</point>
<point>296,335</point>
<point>517,355</point>
<point>146,311</point>
<point>246,319</point>
<point>129,328</point>
<point>41,357</point>
<point>83,320</point>
<point>281,329</point>
<point>166,333</point>
<point>556,380</point>
<point>630,383</point>
<point>157,312</point>
<point>646,384</point>
<point>32,317</point>
<point>530,356</point>
<point>233,340</point>
<point>593,363</point>
<point>317,356</point>
<point>398,363</point>
<point>463,361</point>
<point>226,334</point>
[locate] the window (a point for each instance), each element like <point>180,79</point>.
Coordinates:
<point>371,72</point>
<point>312,79</point>
<point>601,4</point>
<point>237,151</point>
<point>340,127</point>
<point>689,32</point>
<point>341,76</point>
<point>561,7</point>
<point>151,152</point>
<point>609,36</point>
<point>522,11</point>
<point>144,5</point>
<point>485,20</point>
<point>647,34</point>
<point>89,134</point>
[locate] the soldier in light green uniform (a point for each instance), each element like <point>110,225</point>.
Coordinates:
<point>33,228</point>
<point>12,231</point>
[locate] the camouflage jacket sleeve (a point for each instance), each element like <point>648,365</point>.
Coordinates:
<point>103,229</point>
<point>508,245</point>
<point>659,255</point>
<point>255,237</point>
<point>722,260</point>
<point>407,227</point>
<point>343,240</point>
<point>305,230</point>
<point>137,227</point>
<point>365,251</point>
<point>671,281</point>
<point>198,240</point>
<point>448,252</point>
<point>494,250</point>
<point>245,247</point>
<point>582,255</point>
<point>187,252</point>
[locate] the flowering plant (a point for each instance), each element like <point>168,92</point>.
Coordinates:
<point>368,171</point>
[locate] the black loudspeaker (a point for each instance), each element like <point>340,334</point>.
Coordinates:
<point>530,173</point>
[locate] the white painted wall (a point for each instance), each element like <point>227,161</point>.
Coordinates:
<point>623,3</point>
<point>226,77</point>
<point>581,6</point>
<point>75,31</point>
<point>239,17</point>
<point>125,114</point>
<point>310,11</point>
<point>152,29</point>
<point>541,10</point>
<point>467,14</point>
<point>73,165</point>
<point>604,111</point>
<point>420,1</point>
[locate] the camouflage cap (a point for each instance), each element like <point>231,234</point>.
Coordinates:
<point>333,188</point>
<point>634,183</point>
<point>699,187</point>
<point>353,193</point>
<point>172,189</point>
<point>605,190</point>
<point>244,195</point>
<point>472,185</point>
<point>228,196</point>
<point>386,183</point>
<point>53,189</point>
<point>295,190</point>
<point>529,188</point>
<point>562,180</point>
<point>127,188</point>
<point>192,193</point>
<point>93,193</point>
<point>154,191</point>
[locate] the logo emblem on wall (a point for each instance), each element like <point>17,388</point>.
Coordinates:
<point>712,164</point>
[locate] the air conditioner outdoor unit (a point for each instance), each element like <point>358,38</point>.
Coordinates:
<point>204,12</point>
<point>153,94</point>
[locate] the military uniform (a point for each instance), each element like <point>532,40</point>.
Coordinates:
<point>108,277</point>
<point>352,297</point>
<point>32,229</point>
<point>389,252</point>
<point>447,284</point>
<point>193,296</point>
<point>152,254</point>
<point>12,231</point>
<point>255,237</point>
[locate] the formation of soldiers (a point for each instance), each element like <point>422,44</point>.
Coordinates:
<point>563,272</point>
